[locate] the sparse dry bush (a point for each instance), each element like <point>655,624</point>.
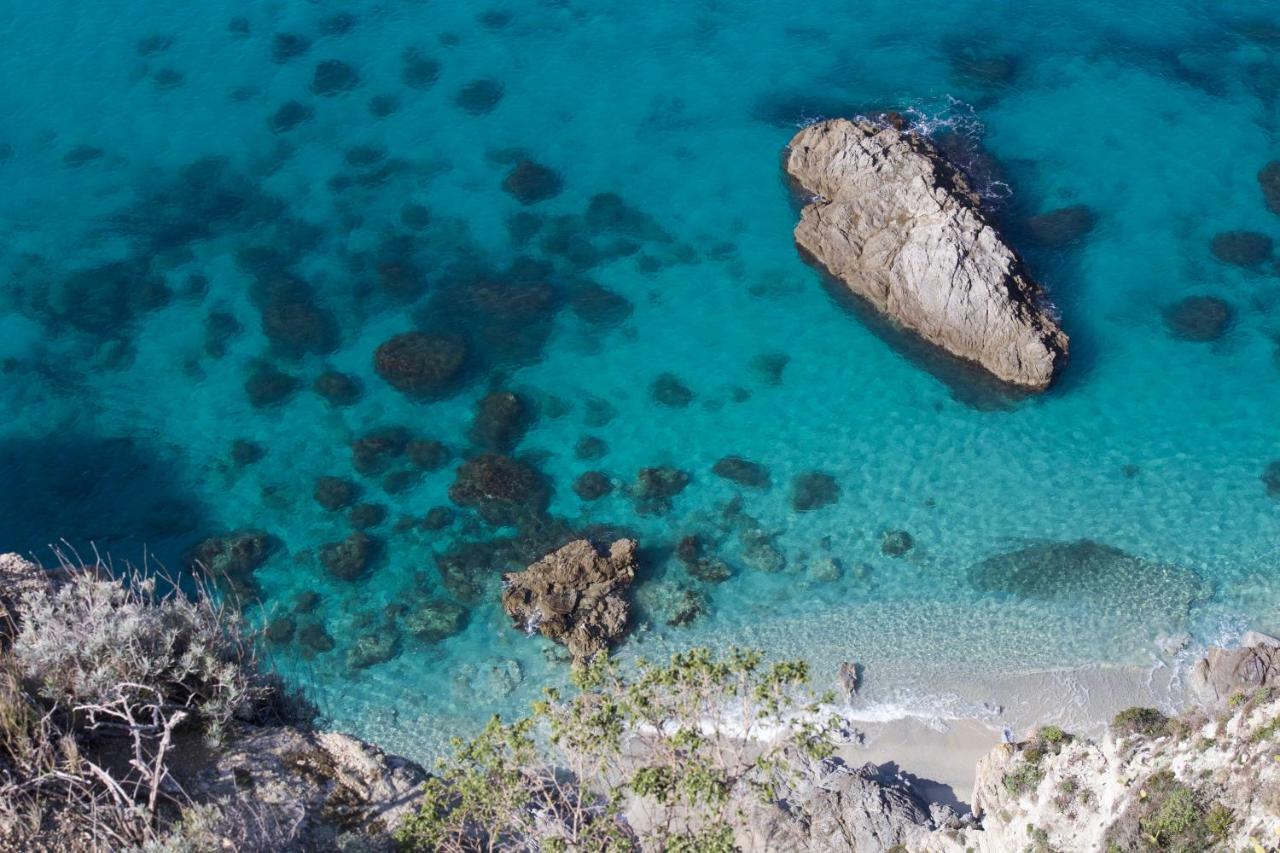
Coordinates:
<point>102,674</point>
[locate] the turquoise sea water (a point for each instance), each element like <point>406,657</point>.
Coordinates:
<point>182,180</point>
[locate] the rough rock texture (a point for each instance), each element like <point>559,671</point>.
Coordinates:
<point>1221,671</point>
<point>575,596</point>
<point>332,787</point>
<point>18,577</point>
<point>900,226</point>
<point>1205,780</point>
<point>850,808</point>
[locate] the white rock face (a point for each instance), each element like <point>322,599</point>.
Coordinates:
<point>900,226</point>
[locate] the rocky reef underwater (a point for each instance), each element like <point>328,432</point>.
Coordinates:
<point>359,308</point>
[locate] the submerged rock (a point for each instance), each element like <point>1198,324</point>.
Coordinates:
<point>896,543</point>
<point>532,182</point>
<point>1247,249</point>
<point>373,452</point>
<point>1269,180</point>
<point>744,472</point>
<point>339,389</point>
<point>1091,571</point>
<point>668,390</point>
<point>592,485</point>
<point>1066,226</point>
<point>501,420</point>
<point>502,489</point>
<point>421,365</point>
<point>350,558</point>
<point>479,96</point>
<point>268,386</point>
<point>902,228</point>
<point>1198,318</point>
<point>334,77</point>
<point>1271,479</point>
<point>655,488</point>
<point>813,490</point>
<point>575,596</point>
<point>436,619</point>
<point>335,493</point>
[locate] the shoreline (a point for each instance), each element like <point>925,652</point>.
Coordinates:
<point>939,752</point>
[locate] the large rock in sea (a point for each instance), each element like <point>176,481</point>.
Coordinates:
<point>895,221</point>
<point>575,596</point>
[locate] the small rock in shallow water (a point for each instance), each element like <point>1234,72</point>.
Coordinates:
<point>760,553</point>
<point>590,448</point>
<point>668,390</point>
<point>339,389</point>
<point>655,487</point>
<point>280,630</point>
<point>373,452</point>
<point>532,182</point>
<point>479,96</point>
<point>592,486</point>
<point>435,619</point>
<point>500,421</point>
<point>1271,479</point>
<point>334,77</point>
<point>366,515</point>
<point>597,412</point>
<point>1199,318</point>
<point>502,489</point>
<point>289,115</point>
<point>1063,227</point>
<point>428,454</point>
<point>268,386</point>
<point>415,216</point>
<point>418,71</point>
<point>287,46</point>
<point>1247,249</point>
<point>1269,180</point>
<point>314,638</point>
<point>245,452</point>
<point>813,490</point>
<point>335,493</point>
<point>381,106</point>
<point>350,558</point>
<point>401,481</point>
<point>768,367</point>
<point>744,472</point>
<point>438,518</point>
<point>494,19</point>
<point>374,647</point>
<point>896,543</point>
<point>421,365</point>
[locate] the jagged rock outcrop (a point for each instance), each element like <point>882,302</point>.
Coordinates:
<point>330,788</point>
<point>575,596</point>
<point>849,808</point>
<point>901,227</point>
<point>1222,672</point>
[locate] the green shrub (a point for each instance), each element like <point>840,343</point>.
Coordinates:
<point>1219,820</point>
<point>1053,735</point>
<point>1140,721</point>
<point>1023,778</point>
<point>620,737</point>
<point>1167,816</point>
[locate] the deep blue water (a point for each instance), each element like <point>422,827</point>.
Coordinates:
<point>198,195</point>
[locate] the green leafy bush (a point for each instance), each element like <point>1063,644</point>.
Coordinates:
<point>681,743</point>
<point>1140,721</point>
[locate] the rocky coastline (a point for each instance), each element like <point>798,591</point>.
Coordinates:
<point>890,217</point>
<point>1216,764</point>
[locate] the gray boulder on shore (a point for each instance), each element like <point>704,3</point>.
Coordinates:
<point>901,227</point>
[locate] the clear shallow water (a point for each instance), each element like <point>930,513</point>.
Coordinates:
<point>121,416</point>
